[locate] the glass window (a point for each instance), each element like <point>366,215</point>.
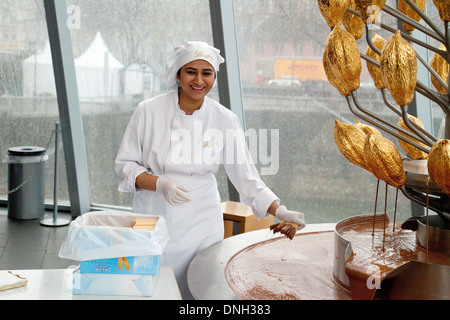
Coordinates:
<point>28,106</point>
<point>437,113</point>
<point>290,108</point>
<point>281,44</point>
<point>120,48</point>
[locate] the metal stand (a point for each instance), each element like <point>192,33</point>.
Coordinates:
<point>55,222</point>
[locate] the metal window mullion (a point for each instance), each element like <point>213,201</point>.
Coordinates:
<point>229,80</point>
<point>421,106</point>
<point>69,108</point>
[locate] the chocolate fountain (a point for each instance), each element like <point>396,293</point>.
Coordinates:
<point>375,258</point>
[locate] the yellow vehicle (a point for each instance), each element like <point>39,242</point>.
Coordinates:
<point>302,69</point>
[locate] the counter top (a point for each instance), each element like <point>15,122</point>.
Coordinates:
<point>56,284</point>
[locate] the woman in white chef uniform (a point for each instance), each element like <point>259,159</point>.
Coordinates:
<point>171,149</point>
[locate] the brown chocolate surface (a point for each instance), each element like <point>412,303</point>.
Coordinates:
<point>378,254</point>
<point>302,268</point>
<point>283,269</point>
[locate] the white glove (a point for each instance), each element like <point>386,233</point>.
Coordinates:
<point>290,216</point>
<point>174,193</point>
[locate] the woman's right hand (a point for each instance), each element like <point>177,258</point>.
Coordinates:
<point>286,215</point>
<point>174,193</point>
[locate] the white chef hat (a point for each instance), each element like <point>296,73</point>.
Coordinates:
<point>189,51</point>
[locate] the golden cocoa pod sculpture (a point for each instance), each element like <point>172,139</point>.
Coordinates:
<point>374,71</point>
<point>443,7</point>
<point>367,129</point>
<point>332,77</point>
<point>350,141</point>
<point>341,61</point>
<point>369,9</point>
<point>399,69</point>
<point>383,160</point>
<point>352,23</point>
<point>441,66</point>
<point>333,11</point>
<point>439,164</point>
<point>413,152</point>
<point>405,8</point>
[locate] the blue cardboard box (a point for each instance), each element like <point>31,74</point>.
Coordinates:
<point>114,284</point>
<point>144,265</point>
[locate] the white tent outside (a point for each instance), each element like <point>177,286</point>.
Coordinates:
<point>97,71</point>
<point>38,77</point>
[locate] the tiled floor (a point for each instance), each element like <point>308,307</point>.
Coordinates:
<point>26,244</point>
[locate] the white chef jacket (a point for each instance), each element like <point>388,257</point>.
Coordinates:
<point>162,140</point>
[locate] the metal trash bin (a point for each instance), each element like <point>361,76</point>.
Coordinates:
<point>26,183</point>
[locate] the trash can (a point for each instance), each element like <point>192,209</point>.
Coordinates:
<point>26,188</point>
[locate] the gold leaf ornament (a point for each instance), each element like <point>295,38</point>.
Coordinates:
<point>413,152</point>
<point>443,7</point>
<point>367,129</point>
<point>441,67</point>
<point>350,141</point>
<point>333,11</point>
<point>332,78</point>
<point>383,160</point>
<point>399,69</point>
<point>406,9</point>
<point>439,164</point>
<point>341,61</point>
<point>369,9</point>
<point>352,23</point>
<point>374,71</point>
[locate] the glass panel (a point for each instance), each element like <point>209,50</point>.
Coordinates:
<point>438,114</point>
<point>28,105</point>
<point>120,48</point>
<point>281,44</point>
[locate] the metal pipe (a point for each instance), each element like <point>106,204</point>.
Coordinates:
<point>412,39</point>
<point>399,113</point>
<point>428,141</point>
<point>369,41</point>
<point>447,39</point>
<point>370,60</point>
<point>55,184</point>
<point>384,92</point>
<point>420,87</point>
<point>431,70</point>
<point>392,107</point>
<point>442,101</point>
<point>424,18</point>
<point>385,123</point>
<point>55,221</point>
<point>423,133</point>
<point>404,35</point>
<point>447,113</point>
<point>407,36</point>
<point>392,132</point>
<point>447,127</point>
<point>435,33</point>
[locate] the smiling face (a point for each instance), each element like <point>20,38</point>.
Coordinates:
<point>196,80</point>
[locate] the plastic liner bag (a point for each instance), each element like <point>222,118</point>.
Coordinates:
<point>108,234</point>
